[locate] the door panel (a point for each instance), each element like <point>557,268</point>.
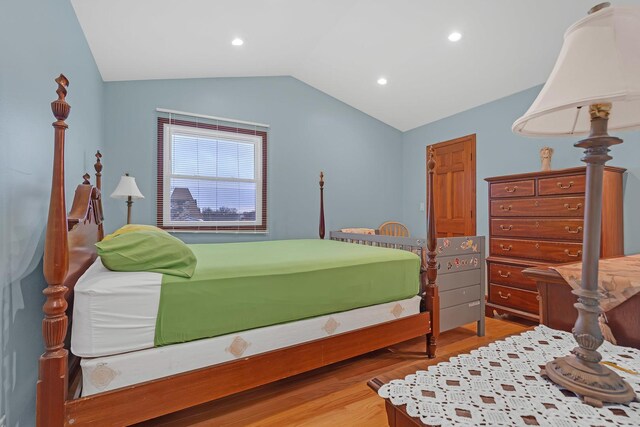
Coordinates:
<point>455,187</point>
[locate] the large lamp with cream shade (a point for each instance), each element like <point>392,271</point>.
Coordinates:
<point>128,190</point>
<point>594,86</point>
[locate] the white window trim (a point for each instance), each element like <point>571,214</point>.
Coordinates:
<point>168,132</point>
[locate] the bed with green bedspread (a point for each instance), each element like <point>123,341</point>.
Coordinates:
<point>240,286</point>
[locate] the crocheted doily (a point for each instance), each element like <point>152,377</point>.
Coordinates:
<point>500,385</point>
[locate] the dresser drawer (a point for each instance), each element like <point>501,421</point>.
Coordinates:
<point>460,296</point>
<point>458,279</point>
<point>564,229</point>
<point>572,184</point>
<point>510,275</point>
<point>514,298</point>
<point>537,249</point>
<point>544,206</point>
<point>513,189</point>
<point>459,315</point>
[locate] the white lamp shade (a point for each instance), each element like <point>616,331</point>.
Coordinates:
<point>127,188</point>
<point>599,63</point>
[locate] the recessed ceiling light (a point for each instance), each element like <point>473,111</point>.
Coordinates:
<point>455,36</point>
<point>237,42</point>
<point>382,81</point>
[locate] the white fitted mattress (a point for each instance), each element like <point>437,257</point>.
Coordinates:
<point>114,312</point>
<point>111,372</point>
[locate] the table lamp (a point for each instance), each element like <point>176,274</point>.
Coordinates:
<point>127,189</point>
<point>595,85</point>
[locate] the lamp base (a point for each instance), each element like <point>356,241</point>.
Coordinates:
<point>129,203</point>
<point>594,382</point>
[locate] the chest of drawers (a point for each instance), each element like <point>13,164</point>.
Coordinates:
<point>537,219</point>
<point>461,281</point>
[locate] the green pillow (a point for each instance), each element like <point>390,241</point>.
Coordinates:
<point>146,250</point>
<point>130,228</point>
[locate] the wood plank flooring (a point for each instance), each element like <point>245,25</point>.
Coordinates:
<point>336,395</point>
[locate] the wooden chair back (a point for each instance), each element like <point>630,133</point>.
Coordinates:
<point>392,228</point>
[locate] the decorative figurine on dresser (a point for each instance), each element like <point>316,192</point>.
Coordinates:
<point>545,158</point>
<point>537,219</point>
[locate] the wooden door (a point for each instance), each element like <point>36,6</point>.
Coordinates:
<point>455,187</point>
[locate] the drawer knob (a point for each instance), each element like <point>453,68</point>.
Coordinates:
<point>567,252</point>
<point>576,230</point>
<point>503,296</point>
<point>565,187</point>
<point>501,274</point>
<point>506,227</point>
<point>575,208</point>
<point>506,248</point>
<point>505,208</point>
<point>511,189</point>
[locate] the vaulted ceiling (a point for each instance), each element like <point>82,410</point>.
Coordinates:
<point>341,47</point>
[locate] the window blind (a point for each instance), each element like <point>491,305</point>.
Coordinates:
<point>212,175</point>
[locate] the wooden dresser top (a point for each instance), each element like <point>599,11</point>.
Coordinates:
<point>553,172</point>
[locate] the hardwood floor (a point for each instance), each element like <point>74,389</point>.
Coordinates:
<point>336,395</point>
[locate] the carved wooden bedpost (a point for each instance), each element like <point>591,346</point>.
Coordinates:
<point>51,390</point>
<point>98,206</point>
<point>431,289</point>
<point>98,167</point>
<point>321,226</point>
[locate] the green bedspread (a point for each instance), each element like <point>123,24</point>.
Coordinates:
<point>240,286</point>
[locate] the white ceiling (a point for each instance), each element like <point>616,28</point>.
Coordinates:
<point>340,47</point>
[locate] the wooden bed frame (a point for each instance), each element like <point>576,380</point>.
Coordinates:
<point>70,250</point>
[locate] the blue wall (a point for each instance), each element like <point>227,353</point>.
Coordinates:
<point>310,131</point>
<point>501,152</point>
<point>38,41</point>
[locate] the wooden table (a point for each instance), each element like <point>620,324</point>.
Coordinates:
<point>397,415</point>
<point>502,384</point>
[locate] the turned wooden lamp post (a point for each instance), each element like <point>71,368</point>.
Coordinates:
<point>128,190</point>
<point>594,85</point>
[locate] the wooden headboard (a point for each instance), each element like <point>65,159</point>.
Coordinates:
<point>69,248</point>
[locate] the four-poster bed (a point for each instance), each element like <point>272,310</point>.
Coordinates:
<point>70,251</point>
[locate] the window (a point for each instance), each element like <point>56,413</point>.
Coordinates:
<point>211,177</point>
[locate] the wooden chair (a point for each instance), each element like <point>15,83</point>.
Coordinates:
<point>391,228</point>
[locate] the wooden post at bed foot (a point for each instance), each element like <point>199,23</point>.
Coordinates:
<point>97,205</point>
<point>431,289</point>
<point>432,345</point>
<point>51,389</point>
<point>321,225</point>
